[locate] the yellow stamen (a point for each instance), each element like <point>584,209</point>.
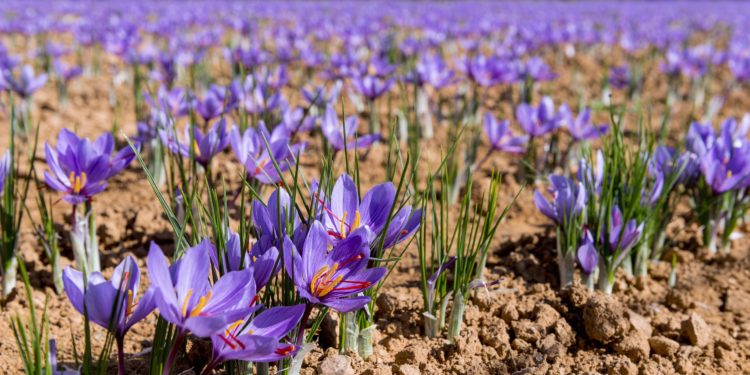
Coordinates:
<point>77,181</point>
<point>255,259</point>
<point>185,302</point>
<point>322,284</point>
<point>729,174</point>
<point>234,325</point>
<point>201,305</point>
<point>196,148</point>
<point>316,277</point>
<point>357,220</point>
<point>341,227</point>
<point>330,286</point>
<point>130,304</point>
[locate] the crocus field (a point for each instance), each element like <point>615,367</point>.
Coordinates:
<point>216,187</point>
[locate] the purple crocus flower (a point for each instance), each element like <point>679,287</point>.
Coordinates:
<point>370,86</point>
<point>25,84</point>
<point>621,235</point>
<point>332,276</point>
<point>80,168</point>
<point>540,120</point>
<point>700,138</point>
<point>259,338</point>
<point>431,70</point>
<point>5,169</point>
<point>187,299</point>
<point>271,220</point>
<point>213,103</point>
<point>320,96</point>
<point>65,72</point>
<point>726,165</point>
<point>569,198</point>
<point>343,213</point>
<point>257,149</point>
<point>537,70</point>
<point>344,135</point>
<point>580,127</point>
<point>500,136</point>
<point>620,76</point>
<point>587,254</point>
<point>204,146</point>
<point>110,304</point>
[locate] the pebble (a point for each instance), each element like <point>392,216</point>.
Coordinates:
<point>663,346</point>
<point>696,330</point>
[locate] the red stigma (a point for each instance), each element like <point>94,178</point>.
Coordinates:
<point>285,350</point>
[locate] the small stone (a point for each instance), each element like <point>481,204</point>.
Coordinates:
<point>546,316</point>
<point>527,330</point>
<point>408,370</point>
<point>635,346</point>
<point>603,318</point>
<point>335,365</point>
<point>663,346</point>
<point>696,329</point>
<point>737,302</point>
<point>640,323</point>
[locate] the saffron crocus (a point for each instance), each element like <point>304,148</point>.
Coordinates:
<point>332,276</point>
<point>341,136</point>
<point>726,165</point>
<point>26,84</point>
<point>588,258</point>
<point>569,198</point>
<point>80,168</point>
<point>539,121</point>
<point>500,136</point>
<point>261,259</point>
<point>342,214</point>
<point>259,338</point>
<point>620,77</point>
<point>5,168</point>
<point>65,72</point>
<point>110,303</point>
<point>272,219</point>
<point>204,146</point>
<point>186,298</point>
<point>621,235</point>
<point>257,150</point>
<point>214,103</point>
<point>370,86</point>
<point>580,127</point>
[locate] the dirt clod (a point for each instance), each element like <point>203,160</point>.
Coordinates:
<point>696,330</point>
<point>635,346</point>
<point>737,301</point>
<point>603,318</point>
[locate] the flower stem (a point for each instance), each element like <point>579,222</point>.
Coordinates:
<point>120,354</point>
<point>303,323</point>
<point>457,316</point>
<point>173,353</point>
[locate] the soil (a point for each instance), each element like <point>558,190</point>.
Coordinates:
<point>522,324</point>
